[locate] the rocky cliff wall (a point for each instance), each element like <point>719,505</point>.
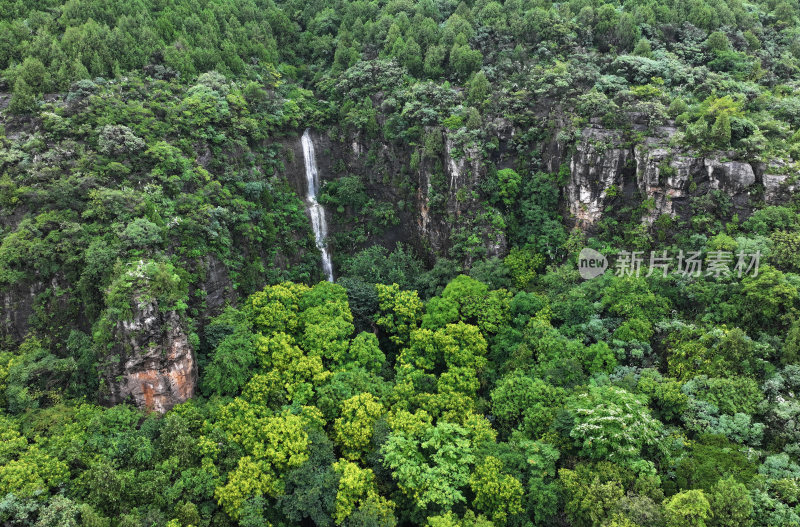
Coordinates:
<point>154,364</point>
<point>440,192</point>
<point>606,165</point>
<point>151,362</point>
<point>606,168</point>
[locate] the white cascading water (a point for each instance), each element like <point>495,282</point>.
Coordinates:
<point>315,210</point>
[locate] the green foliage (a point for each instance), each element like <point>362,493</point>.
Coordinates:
<point>589,502</point>
<point>31,473</point>
<point>479,89</point>
<point>524,264</point>
<point>611,423</point>
<point>464,60</point>
<point>731,504</point>
<point>358,494</point>
<point>710,458</point>
<point>295,372</point>
<point>431,466</point>
<point>364,352</point>
<point>497,494</point>
<point>408,392</point>
<point>721,131</point>
<point>375,265</point>
<point>401,312</point>
<point>689,508</point>
<point>234,355</point>
<point>273,444</point>
<point>768,299</point>
<point>632,298</point>
<point>718,41</point>
<point>785,252</point>
<point>24,98</point>
<point>508,182</point>
<point>468,300</point>
<point>353,430</point>
<point>536,224</point>
<point>527,403</point>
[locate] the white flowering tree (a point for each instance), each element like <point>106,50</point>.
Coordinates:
<point>612,424</point>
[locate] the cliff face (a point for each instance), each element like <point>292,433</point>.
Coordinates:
<point>156,367</point>
<point>151,362</point>
<point>439,193</point>
<point>605,166</point>
<point>600,169</point>
<point>17,307</point>
<point>435,192</point>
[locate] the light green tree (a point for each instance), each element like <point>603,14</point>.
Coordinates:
<point>497,494</point>
<point>23,99</point>
<point>400,312</point>
<point>354,428</point>
<point>431,464</point>
<point>689,508</point>
<point>731,504</point>
<point>358,490</point>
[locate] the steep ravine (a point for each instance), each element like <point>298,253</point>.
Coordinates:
<point>152,362</point>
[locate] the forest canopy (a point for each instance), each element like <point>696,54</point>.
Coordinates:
<point>459,372</point>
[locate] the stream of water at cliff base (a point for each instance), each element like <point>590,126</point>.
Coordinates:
<point>315,210</point>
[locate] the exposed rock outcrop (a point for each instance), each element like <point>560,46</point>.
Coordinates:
<point>605,165</point>
<point>600,169</point>
<point>665,178</point>
<point>152,363</point>
<point>17,304</point>
<point>216,285</point>
<point>778,185</point>
<point>778,188</point>
<point>440,200</point>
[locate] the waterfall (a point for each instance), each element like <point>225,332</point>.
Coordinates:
<point>315,210</point>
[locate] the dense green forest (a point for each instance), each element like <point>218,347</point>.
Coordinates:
<point>171,356</point>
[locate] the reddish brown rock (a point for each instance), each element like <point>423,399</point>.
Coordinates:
<point>152,362</point>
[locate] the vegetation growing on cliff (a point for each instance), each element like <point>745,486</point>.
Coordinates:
<point>459,373</point>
